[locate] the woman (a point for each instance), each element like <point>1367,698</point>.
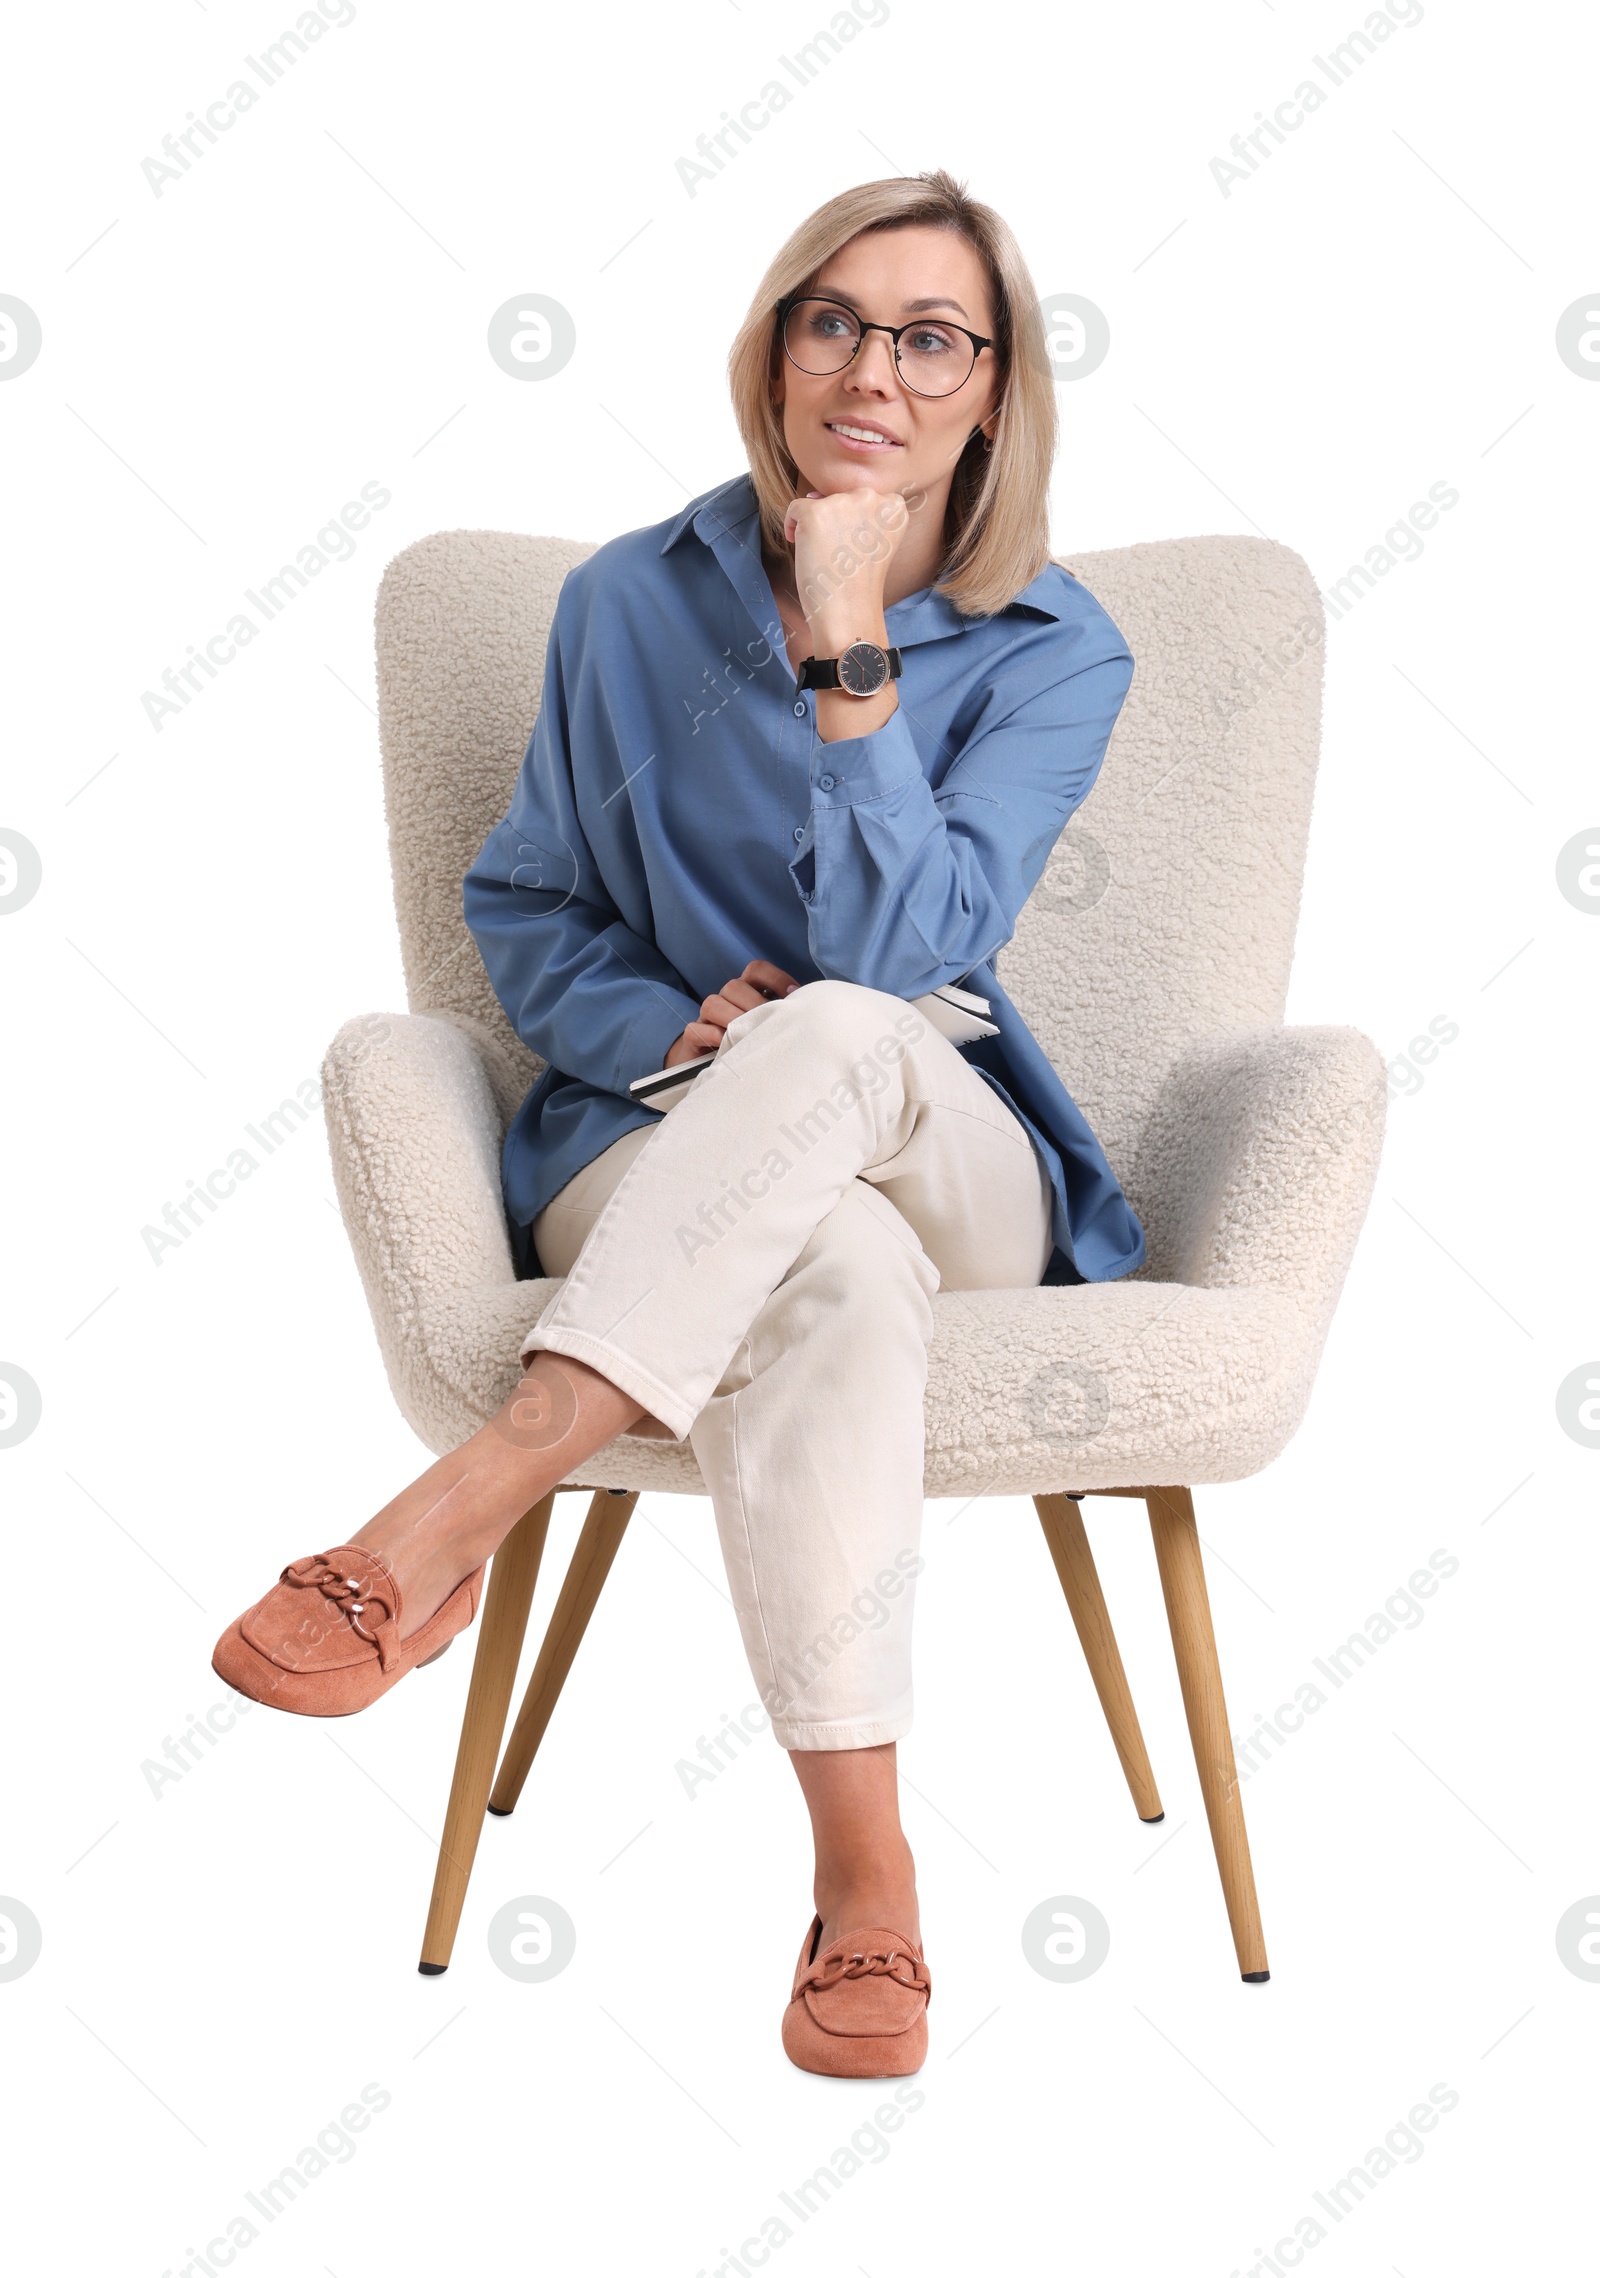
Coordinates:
<point>802,755</point>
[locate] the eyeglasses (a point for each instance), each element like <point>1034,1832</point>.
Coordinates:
<point>932,356</point>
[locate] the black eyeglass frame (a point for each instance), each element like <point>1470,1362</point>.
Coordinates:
<point>980,341</point>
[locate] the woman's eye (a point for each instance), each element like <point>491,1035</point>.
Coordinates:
<point>930,342</point>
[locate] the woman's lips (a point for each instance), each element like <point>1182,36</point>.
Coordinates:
<point>856,443</point>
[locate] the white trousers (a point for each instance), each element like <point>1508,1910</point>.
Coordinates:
<point>755,1269</point>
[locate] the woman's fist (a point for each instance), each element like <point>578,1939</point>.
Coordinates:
<point>843,545</point>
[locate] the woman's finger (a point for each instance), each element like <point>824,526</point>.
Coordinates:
<point>697,1039</point>
<point>720,1009</point>
<point>742,997</point>
<point>790,519</point>
<point>763,975</point>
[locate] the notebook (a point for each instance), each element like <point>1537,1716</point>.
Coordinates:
<point>956,1013</point>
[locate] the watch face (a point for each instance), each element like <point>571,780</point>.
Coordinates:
<point>863,668</point>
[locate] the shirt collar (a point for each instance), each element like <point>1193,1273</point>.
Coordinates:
<point>724,508</point>
<point>723,513</point>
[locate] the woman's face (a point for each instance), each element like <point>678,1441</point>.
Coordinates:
<point>891,277</point>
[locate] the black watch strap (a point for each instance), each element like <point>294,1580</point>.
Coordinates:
<point>823,672</point>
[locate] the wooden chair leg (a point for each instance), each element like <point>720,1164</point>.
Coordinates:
<point>591,1562</point>
<point>1183,1585</point>
<point>1062,1521</point>
<point>512,1575</point>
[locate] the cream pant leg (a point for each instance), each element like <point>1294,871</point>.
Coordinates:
<point>756,1270</point>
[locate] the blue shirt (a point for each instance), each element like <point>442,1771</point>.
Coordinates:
<point>677,814</point>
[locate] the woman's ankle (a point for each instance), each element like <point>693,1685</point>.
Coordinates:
<point>870,1893</point>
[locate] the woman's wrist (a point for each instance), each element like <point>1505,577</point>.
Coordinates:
<point>841,715</point>
<point>846,618</point>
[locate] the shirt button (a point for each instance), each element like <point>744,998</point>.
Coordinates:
<point>799,832</point>
<point>826,782</point>
<point>799,711</point>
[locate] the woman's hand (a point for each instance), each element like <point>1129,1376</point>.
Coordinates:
<point>843,545</point>
<point>759,984</point>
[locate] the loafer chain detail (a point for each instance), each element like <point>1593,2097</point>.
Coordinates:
<point>326,1639</point>
<point>875,1962</point>
<point>353,1596</point>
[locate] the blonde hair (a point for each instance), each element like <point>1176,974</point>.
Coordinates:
<point>998,518</point>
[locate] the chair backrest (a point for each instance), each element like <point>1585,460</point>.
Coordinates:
<point>1167,912</point>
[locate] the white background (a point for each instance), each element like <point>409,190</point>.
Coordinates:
<point>227,1963</point>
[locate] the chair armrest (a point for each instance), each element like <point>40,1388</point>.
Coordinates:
<point>414,1133</point>
<point>511,1068</point>
<point>1258,1161</point>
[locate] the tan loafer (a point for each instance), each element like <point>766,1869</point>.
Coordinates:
<point>325,1640</point>
<point>859,2007</point>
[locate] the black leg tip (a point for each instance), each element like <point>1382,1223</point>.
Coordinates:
<point>496,1813</point>
<point>432,1969</point>
<point>1255,1977</point>
<point>1155,1819</point>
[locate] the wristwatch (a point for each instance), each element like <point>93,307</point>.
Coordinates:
<point>860,670</point>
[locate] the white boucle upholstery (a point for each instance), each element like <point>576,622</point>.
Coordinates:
<point>1152,962</point>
